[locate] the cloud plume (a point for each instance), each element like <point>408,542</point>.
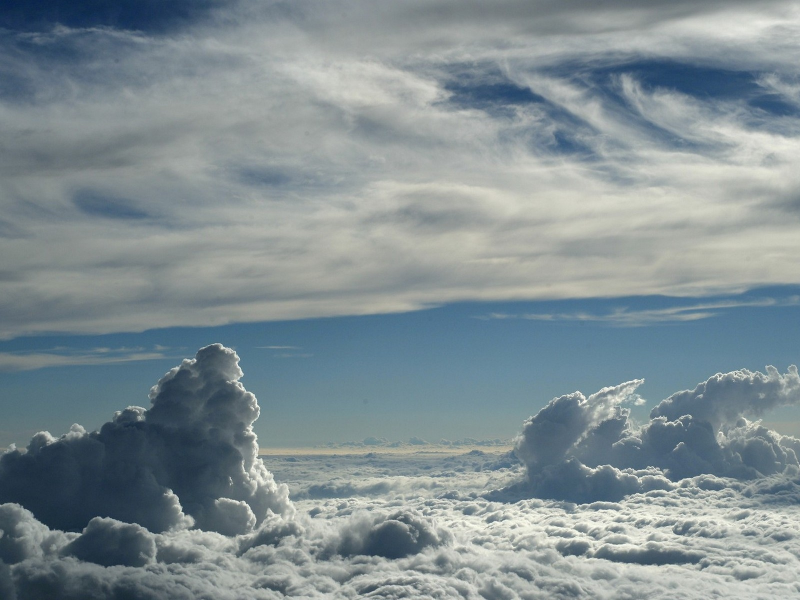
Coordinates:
<point>190,459</point>
<point>586,449</point>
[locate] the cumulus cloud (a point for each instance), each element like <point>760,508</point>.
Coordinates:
<point>24,536</point>
<point>723,399</point>
<point>391,536</point>
<point>716,502</point>
<point>190,459</point>
<point>584,449</point>
<point>702,538</point>
<point>705,535</point>
<point>110,542</point>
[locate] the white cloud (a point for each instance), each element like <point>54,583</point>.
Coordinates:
<point>62,357</point>
<point>432,531</point>
<point>189,460</point>
<point>627,317</point>
<point>279,347</point>
<point>339,159</point>
<point>585,449</point>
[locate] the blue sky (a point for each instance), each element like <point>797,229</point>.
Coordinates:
<point>462,370</point>
<point>410,219</point>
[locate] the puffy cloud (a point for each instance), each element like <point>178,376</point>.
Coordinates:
<point>24,537</point>
<point>706,536</point>
<point>729,531</point>
<point>584,449</point>
<point>723,399</point>
<point>390,536</point>
<point>6,583</point>
<point>556,428</point>
<point>109,542</point>
<point>191,459</point>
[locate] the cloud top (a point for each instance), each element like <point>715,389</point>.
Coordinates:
<point>586,449</point>
<point>724,398</point>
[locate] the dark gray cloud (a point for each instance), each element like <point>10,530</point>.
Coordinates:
<point>110,542</point>
<point>391,536</point>
<point>192,458</point>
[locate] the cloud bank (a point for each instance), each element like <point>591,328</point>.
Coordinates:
<point>350,157</point>
<point>587,449</point>
<point>695,503</point>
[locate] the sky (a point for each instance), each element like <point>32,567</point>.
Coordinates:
<point>467,370</point>
<point>424,299</point>
<point>419,219</point>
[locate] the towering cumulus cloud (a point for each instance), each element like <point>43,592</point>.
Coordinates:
<point>585,449</point>
<point>191,459</point>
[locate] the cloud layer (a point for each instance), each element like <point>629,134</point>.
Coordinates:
<point>691,514</point>
<point>213,162</point>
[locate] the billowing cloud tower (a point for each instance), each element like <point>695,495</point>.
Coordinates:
<point>584,449</point>
<point>189,460</point>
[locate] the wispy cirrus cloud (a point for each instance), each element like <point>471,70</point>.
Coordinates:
<point>67,357</point>
<point>632,317</point>
<point>248,161</point>
<point>287,351</point>
<point>278,347</point>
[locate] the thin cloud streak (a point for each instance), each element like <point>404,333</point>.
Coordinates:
<point>31,361</point>
<point>278,347</point>
<point>625,317</point>
<point>289,351</point>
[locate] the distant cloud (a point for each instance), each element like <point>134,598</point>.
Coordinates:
<point>279,347</point>
<point>417,442</point>
<point>586,449</point>
<point>625,317</point>
<point>290,351</point>
<point>64,357</point>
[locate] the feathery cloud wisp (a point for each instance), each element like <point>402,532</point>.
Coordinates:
<point>243,161</point>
